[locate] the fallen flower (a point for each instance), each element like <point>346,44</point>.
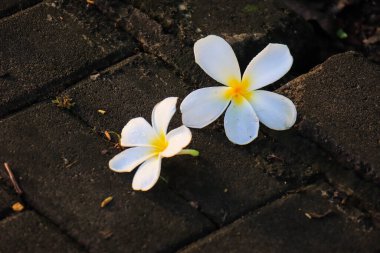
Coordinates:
<point>151,143</point>
<point>246,104</point>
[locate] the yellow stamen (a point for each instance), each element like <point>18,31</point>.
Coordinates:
<point>159,143</point>
<point>238,90</point>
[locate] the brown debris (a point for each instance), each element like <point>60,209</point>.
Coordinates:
<point>94,77</point>
<point>17,207</point>
<point>273,158</point>
<point>64,102</point>
<point>102,111</point>
<point>106,201</point>
<point>314,215</point>
<point>107,134</point>
<point>106,234</point>
<point>194,204</point>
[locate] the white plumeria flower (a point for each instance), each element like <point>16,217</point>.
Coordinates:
<point>150,144</point>
<point>246,104</point>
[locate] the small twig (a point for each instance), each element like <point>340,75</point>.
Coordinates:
<point>71,164</point>
<point>273,157</point>
<point>313,215</point>
<point>13,179</point>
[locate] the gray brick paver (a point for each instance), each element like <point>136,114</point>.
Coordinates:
<point>29,232</point>
<point>43,49</point>
<point>226,181</point>
<point>283,226</point>
<point>171,37</point>
<point>338,104</point>
<point>38,143</point>
<point>8,7</point>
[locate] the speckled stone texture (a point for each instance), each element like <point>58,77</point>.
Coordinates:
<point>339,107</point>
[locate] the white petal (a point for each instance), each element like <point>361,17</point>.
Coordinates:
<point>272,63</point>
<point>138,132</point>
<point>241,123</point>
<point>147,174</point>
<point>163,113</point>
<point>203,106</point>
<point>216,57</point>
<point>274,110</point>
<point>129,159</point>
<point>177,139</point>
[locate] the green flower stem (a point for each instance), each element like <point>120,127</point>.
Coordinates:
<point>191,152</point>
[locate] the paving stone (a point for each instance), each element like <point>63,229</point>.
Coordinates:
<point>338,104</point>
<point>8,7</point>
<point>65,177</point>
<point>301,222</point>
<point>364,192</point>
<point>28,232</point>
<point>40,54</point>
<point>249,28</point>
<point>226,181</point>
<point>6,201</point>
<point>127,90</point>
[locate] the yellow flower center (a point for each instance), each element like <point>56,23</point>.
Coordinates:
<point>238,90</point>
<point>159,143</point>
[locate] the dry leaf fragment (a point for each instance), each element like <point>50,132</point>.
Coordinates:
<point>17,207</point>
<point>106,234</point>
<point>106,201</point>
<point>107,134</point>
<point>63,102</point>
<point>94,76</point>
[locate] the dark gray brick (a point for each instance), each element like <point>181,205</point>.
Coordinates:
<point>338,104</point>
<point>8,7</point>
<point>43,50</point>
<point>7,199</point>
<point>226,181</point>
<point>127,90</point>
<point>364,192</point>
<point>59,165</point>
<point>169,32</point>
<point>284,226</point>
<point>28,232</point>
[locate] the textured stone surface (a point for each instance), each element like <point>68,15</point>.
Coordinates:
<point>7,7</point>
<point>44,50</point>
<point>284,226</point>
<point>28,232</point>
<point>364,192</point>
<point>338,103</point>
<point>125,91</point>
<point>66,177</point>
<point>173,32</point>
<point>6,201</point>
<point>255,198</point>
<point>226,181</point>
